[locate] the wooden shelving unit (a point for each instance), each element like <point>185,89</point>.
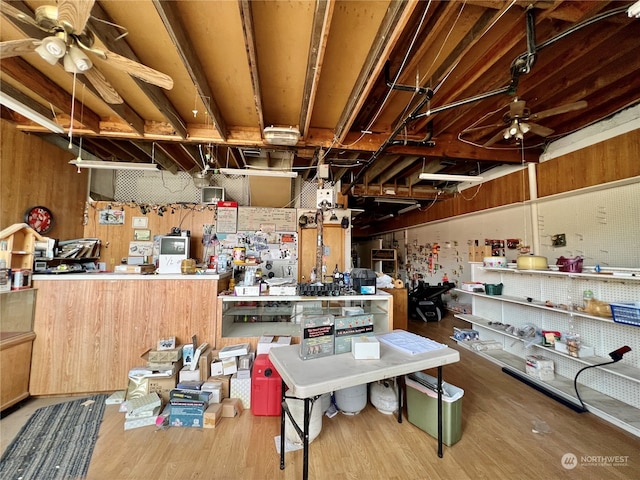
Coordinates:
<point>385,260</point>
<point>17,245</point>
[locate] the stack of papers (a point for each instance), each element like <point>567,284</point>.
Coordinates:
<point>410,342</point>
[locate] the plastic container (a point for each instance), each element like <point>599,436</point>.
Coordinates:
<point>628,313</point>
<point>422,407</point>
<point>493,288</point>
<point>572,265</point>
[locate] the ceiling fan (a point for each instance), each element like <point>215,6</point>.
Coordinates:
<point>519,120</point>
<point>70,40</point>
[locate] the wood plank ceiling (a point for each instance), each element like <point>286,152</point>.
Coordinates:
<point>379,90</point>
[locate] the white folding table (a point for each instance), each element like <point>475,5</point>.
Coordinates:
<point>308,379</point>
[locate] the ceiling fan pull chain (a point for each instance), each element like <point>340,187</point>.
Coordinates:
<point>73,109</point>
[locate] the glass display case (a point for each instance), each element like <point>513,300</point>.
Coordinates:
<point>248,318</point>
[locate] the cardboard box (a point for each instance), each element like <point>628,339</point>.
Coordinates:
<point>267,343</point>
<point>182,394</point>
<point>236,350</point>
<point>241,388</point>
<point>165,356</point>
<point>231,407</point>
<point>216,368</point>
<point>348,327</point>
<point>365,348</point>
<point>225,383</point>
<point>212,415</point>
<point>279,290</point>
<point>229,366</point>
<point>204,363</point>
<point>162,386</point>
<point>215,393</point>
<point>247,290</point>
<point>540,367</point>
<point>187,414</point>
<point>144,268</point>
<point>188,375</point>
<point>317,339</point>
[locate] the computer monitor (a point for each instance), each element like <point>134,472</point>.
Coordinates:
<point>173,249</point>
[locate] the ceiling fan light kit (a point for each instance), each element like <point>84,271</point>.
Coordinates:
<point>76,61</point>
<point>52,49</point>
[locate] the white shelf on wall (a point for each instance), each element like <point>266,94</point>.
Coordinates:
<point>613,391</point>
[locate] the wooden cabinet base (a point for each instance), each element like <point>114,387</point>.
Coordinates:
<point>400,307</point>
<point>15,366</point>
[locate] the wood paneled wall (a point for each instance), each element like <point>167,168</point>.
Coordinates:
<point>115,238</point>
<point>99,328</point>
<point>35,172</point>
<point>607,161</point>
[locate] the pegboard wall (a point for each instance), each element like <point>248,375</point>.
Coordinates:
<point>150,187</point>
<point>601,225</point>
<point>566,292</point>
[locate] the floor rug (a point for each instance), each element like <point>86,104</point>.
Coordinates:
<point>56,442</point>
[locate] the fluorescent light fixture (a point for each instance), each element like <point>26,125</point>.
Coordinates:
<point>634,10</point>
<point>258,173</point>
<point>100,165</point>
<point>408,209</point>
<point>492,174</point>
<point>450,178</point>
<point>31,114</point>
<point>386,217</point>
<point>394,200</point>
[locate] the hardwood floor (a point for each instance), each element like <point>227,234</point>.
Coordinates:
<point>498,417</point>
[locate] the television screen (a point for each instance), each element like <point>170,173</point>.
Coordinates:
<point>174,245</point>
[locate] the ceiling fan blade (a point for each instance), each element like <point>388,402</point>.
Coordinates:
<point>539,129</point>
<point>498,136</point>
<point>516,108</point>
<point>74,15</point>
<point>139,70</point>
<point>569,107</point>
<point>104,88</point>
<point>11,11</point>
<point>15,48</point>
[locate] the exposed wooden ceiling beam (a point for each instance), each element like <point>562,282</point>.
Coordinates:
<point>252,58</point>
<point>157,155</point>
<point>22,72</point>
<point>317,47</point>
<point>397,16</point>
<point>123,111</point>
<point>17,95</point>
<point>108,35</point>
<point>170,15</point>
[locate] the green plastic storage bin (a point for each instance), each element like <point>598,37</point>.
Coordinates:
<point>422,407</point>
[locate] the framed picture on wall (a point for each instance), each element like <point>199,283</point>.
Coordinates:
<point>142,235</point>
<point>111,217</point>
<point>139,222</point>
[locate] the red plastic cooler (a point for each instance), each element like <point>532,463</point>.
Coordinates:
<point>266,388</point>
